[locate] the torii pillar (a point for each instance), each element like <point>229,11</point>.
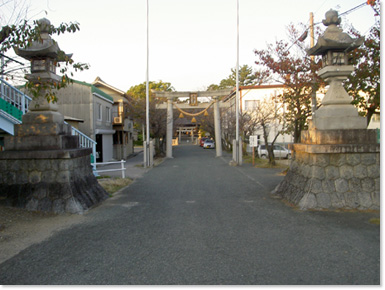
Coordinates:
<point>170,125</point>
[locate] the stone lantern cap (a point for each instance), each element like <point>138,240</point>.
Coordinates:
<point>333,38</point>
<point>44,48</point>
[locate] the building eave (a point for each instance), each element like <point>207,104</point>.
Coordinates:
<point>99,81</point>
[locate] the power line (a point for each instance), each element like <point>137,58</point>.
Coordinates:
<point>353,9</point>
<point>320,6</point>
<point>305,33</point>
<point>11,59</point>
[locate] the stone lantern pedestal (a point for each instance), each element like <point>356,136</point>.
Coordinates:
<point>337,111</point>
<point>333,169</point>
<point>42,167</point>
<point>337,163</point>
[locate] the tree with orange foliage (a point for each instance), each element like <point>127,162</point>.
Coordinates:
<point>364,83</point>
<point>297,72</point>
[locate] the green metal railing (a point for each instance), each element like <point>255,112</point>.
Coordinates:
<point>15,98</point>
<point>10,109</point>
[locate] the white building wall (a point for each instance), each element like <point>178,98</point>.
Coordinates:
<point>250,95</point>
<point>258,94</point>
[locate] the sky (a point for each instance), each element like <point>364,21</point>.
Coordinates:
<point>192,43</point>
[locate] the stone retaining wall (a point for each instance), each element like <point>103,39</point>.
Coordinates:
<point>52,181</point>
<point>332,181</point>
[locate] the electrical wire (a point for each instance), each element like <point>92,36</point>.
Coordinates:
<point>317,23</point>
<point>353,9</point>
<point>320,6</point>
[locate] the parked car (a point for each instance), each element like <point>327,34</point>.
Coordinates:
<point>209,144</point>
<point>202,141</point>
<point>279,152</point>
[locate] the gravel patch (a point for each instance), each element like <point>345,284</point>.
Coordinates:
<point>20,228</point>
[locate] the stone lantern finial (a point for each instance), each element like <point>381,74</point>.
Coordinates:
<point>44,25</point>
<point>331,18</point>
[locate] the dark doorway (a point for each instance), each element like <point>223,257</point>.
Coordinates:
<point>99,148</point>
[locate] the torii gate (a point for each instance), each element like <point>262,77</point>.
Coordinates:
<point>193,96</point>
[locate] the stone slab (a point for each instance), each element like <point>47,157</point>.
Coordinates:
<point>42,129</point>
<point>49,142</point>
<point>36,117</point>
<point>338,116</point>
<point>332,137</point>
<point>336,148</point>
<point>45,154</point>
<point>335,71</point>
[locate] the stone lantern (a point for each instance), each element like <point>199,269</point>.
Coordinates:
<point>43,121</point>
<point>43,168</point>
<point>43,55</point>
<point>336,112</point>
<point>337,163</point>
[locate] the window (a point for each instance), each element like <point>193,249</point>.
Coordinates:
<point>276,147</point>
<point>99,111</point>
<point>251,105</point>
<point>108,114</point>
<point>115,111</point>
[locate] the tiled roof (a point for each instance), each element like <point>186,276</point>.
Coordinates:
<point>95,90</point>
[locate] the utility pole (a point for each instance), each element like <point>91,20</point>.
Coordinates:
<point>147,144</point>
<point>236,161</point>
<point>313,93</point>
<point>312,33</point>
<point>238,149</point>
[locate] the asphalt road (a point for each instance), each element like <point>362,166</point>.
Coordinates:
<point>195,220</point>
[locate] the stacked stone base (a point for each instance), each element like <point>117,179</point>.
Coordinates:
<point>333,176</point>
<point>56,181</point>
